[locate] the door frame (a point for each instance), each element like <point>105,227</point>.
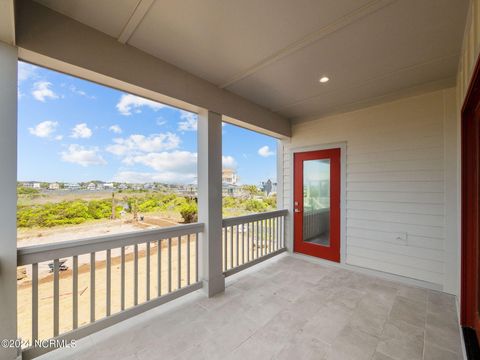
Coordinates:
<point>343,190</point>
<point>470,210</point>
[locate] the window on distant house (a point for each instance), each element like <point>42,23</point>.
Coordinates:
<point>249,174</point>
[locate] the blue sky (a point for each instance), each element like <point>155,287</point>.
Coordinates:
<point>73,130</point>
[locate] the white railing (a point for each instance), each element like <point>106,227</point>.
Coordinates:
<point>315,222</point>
<point>127,264</point>
<point>250,239</point>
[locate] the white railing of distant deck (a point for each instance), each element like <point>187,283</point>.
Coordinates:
<point>149,244</point>
<point>250,239</point>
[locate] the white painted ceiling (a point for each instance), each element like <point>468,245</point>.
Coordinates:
<point>273,52</point>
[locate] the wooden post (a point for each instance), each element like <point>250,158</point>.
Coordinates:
<point>210,201</point>
<point>8,205</point>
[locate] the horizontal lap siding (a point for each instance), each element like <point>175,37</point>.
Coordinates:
<point>394,183</point>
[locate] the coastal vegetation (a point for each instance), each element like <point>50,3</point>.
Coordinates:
<point>54,211</point>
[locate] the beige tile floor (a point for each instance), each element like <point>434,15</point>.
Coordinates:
<point>288,308</point>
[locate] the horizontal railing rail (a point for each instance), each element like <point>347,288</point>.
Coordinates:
<point>111,278</point>
<point>250,239</point>
<point>37,253</point>
<point>253,217</point>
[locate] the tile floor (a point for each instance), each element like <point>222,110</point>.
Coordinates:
<point>288,308</point>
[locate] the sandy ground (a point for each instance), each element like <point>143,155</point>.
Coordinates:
<point>45,296</point>
<point>85,231</point>
<point>26,237</point>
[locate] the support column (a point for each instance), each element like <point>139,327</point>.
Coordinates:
<point>210,201</point>
<point>8,191</point>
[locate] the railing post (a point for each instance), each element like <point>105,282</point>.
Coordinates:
<point>210,201</point>
<point>8,205</point>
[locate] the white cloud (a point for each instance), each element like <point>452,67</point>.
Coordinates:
<point>229,162</point>
<point>129,103</point>
<point>83,156</point>
<point>41,91</point>
<point>189,123</point>
<point>81,131</point>
<point>59,137</point>
<point>184,162</point>
<point>170,167</point>
<point>115,129</point>
<point>44,129</point>
<point>79,92</point>
<point>161,121</point>
<point>26,71</point>
<point>146,177</point>
<point>136,144</point>
<point>265,151</point>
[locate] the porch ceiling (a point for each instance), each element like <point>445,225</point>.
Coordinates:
<point>274,51</point>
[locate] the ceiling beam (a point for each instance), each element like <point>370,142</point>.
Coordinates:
<point>330,28</point>
<point>135,19</point>
<point>51,39</point>
<point>7,21</point>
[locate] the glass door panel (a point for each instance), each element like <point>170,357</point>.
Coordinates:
<point>316,202</point>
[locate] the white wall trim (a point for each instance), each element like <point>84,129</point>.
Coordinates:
<point>280,170</point>
<point>343,194</point>
<point>8,205</point>
<point>380,274</point>
<point>452,181</point>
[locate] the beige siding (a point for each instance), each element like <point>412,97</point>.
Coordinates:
<point>470,50</point>
<point>395,182</point>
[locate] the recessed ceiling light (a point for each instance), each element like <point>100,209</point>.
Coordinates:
<point>324,79</point>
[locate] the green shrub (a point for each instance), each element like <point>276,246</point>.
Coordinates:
<point>255,205</point>
<point>27,191</point>
<point>271,201</point>
<point>64,213</point>
<point>189,212</point>
<point>229,202</point>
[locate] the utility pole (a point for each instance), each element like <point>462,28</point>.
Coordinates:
<point>113,206</point>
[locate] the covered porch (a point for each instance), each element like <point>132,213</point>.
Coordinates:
<point>289,307</point>
<point>376,85</point>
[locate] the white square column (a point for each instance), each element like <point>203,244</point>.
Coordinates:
<point>210,201</point>
<point>8,192</point>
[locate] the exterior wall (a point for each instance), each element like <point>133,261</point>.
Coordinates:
<point>470,50</point>
<point>398,168</point>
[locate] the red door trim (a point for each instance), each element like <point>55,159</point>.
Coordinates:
<point>332,252</point>
<point>470,148</point>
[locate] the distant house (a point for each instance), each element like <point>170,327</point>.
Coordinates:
<point>123,187</point>
<point>53,186</point>
<point>31,185</point>
<point>229,176</point>
<point>91,186</point>
<point>108,186</point>
<point>231,190</point>
<point>72,187</point>
<point>148,186</point>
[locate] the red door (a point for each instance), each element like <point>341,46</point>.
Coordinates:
<point>471,208</point>
<point>317,203</point>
